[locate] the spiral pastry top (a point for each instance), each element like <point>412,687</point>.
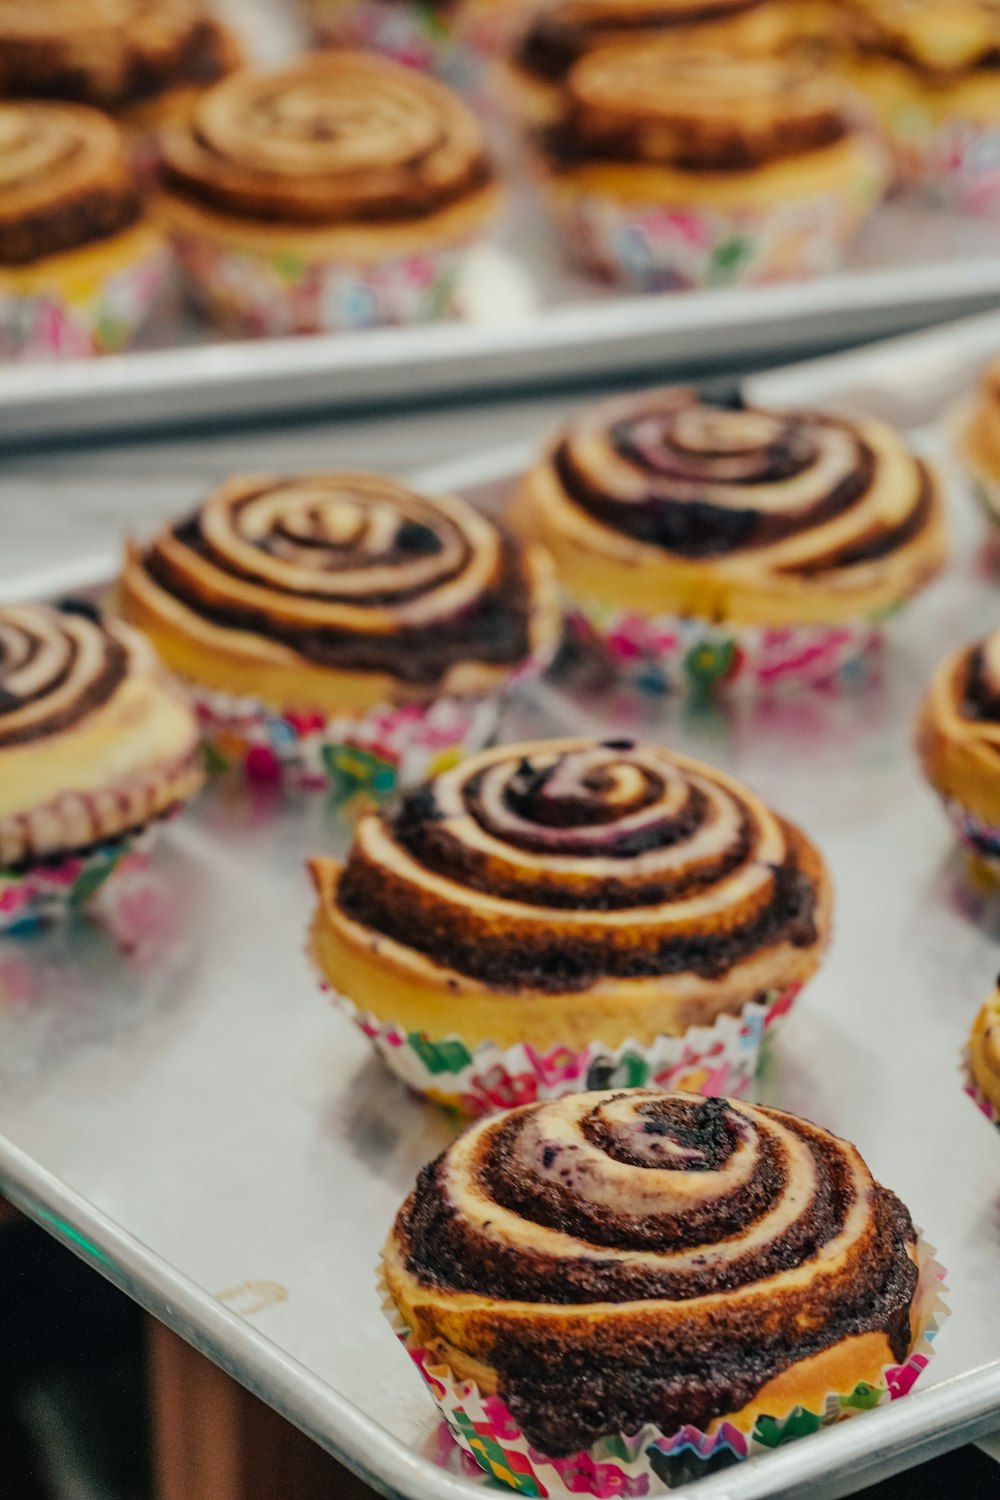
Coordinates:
<point>614,1259</point>
<point>980,437</point>
<point>340,591</point>
<point>941,41</point>
<point>64,180</point>
<point>110,53</point>
<point>608,891</point>
<point>984,1050</point>
<point>667,502</point>
<point>95,739</point>
<point>958,731</point>
<point>339,138</point>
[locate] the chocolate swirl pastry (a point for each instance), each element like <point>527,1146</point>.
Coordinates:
<point>979,439</point>
<point>568,891</point>
<point>325,587</point>
<point>666,501</point>
<point>958,730</point>
<point>983,1053</point>
<point>941,42</point>
<point>110,53</point>
<point>340,138</point>
<point>64,181</point>
<point>95,740</point>
<point>616,1259</point>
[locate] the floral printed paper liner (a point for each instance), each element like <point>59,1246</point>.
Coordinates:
<point>956,159</point>
<point>415,33</point>
<point>650,1462</point>
<point>670,653</point>
<point>45,894</point>
<point>720,1059</point>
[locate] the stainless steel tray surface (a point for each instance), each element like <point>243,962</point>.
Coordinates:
<point>189,1114</point>
<point>530,320</point>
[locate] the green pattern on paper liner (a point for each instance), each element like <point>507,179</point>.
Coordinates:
<point>491,1457</point>
<point>772,1433</point>
<point>354,772</point>
<point>449,1056</point>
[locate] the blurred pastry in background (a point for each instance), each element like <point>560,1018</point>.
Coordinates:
<point>932,72</point>
<point>979,441</point>
<point>80,263</point>
<point>559,33</point>
<point>716,547</point>
<point>342,192</point>
<point>982,1059</point>
<point>340,629</point>
<point>657,180</point>
<point>449,38</point>
<point>141,60</point>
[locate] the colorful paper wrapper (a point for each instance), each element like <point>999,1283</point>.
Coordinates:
<point>74,317</point>
<point>987,492</point>
<point>651,1462</point>
<point>663,247</point>
<point>981,839</point>
<point>48,893</point>
<point>721,1059</point>
<point>282,291</point>
<point>359,761</point>
<point>975,1093</point>
<point>416,33</point>
<point>669,654</point>
<point>955,162</point>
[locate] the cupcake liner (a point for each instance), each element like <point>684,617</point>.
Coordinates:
<point>987,492</point>
<point>980,838</point>
<point>358,760</point>
<point>658,247</point>
<point>48,893</point>
<point>415,33</point>
<point>670,654</point>
<point>975,1093</point>
<point>281,291</point>
<point>955,162</point>
<point>721,1059</point>
<point>73,316</point>
<point>650,1462</point>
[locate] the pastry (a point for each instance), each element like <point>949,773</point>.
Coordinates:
<point>137,59</point>
<point>979,441</point>
<point>932,73</point>
<point>655,182</point>
<point>707,545</point>
<point>342,626</point>
<point>958,740</point>
<point>561,32</point>
<point>96,744</point>
<point>623,1278</point>
<point>982,1059</point>
<point>80,265</point>
<point>551,916</point>
<point>343,191</point>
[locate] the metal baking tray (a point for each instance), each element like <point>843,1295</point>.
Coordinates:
<point>188,1114</point>
<point>531,321</point>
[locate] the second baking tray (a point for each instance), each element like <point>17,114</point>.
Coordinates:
<point>182,1107</point>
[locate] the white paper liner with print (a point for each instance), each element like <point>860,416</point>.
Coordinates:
<point>663,247</point>
<point>975,1093</point>
<point>273,293</point>
<point>954,162</point>
<point>721,1059</point>
<point>651,1462</point>
<point>979,838</point>
<point>37,897</point>
<point>669,654</point>
<point>358,761</point>
<point>409,31</point>
<point>75,315</point>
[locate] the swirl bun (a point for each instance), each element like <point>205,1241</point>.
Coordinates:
<point>95,740</point>
<point>616,1259</point>
<point>340,591</point>
<point>568,891</point>
<point>940,41</point>
<point>958,739</point>
<point>64,181</point>
<point>109,53</point>
<point>983,1057</point>
<point>667,502</point>
<point>979,440</point>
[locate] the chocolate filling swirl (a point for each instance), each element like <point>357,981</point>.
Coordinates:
<point>750,1239</point>
<point>568,862</point>
<point>353,572</point>
<point>55,668</point>
<point>563,33</point>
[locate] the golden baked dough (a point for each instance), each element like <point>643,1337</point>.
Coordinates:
<point>567,892</point>
<point>984,1050</point>
<point>96,740</point>
<point>665,503</point>
<point>958,731</point>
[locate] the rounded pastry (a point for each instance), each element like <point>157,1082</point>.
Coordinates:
<point>326,194</point>
<point>450,38</point>
<point>932,73</point>
<point>79,264</point>
<point>564,893</point>
<point>614,1260</point>
<point>344,597</point>
<point>96,741</point>
<point>983,1057</point>
<point>979,440</point>
<point>655,180</point>
<point>679,523</point>
<point>958,740</point>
